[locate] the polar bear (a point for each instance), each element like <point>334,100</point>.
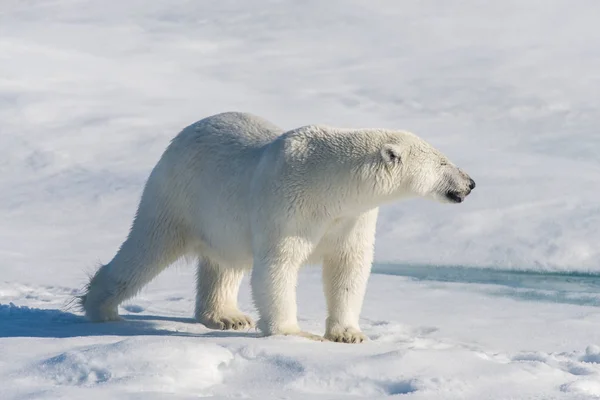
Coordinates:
<point>240,194</point>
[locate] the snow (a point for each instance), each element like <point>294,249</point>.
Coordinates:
<point>495,298</point>
<point>427,339</point>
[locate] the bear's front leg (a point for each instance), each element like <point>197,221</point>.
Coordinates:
<point>274,278</point>
<point>346,269</point>
<point>345,284</point>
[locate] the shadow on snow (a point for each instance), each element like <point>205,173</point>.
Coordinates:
<point>20,321</point>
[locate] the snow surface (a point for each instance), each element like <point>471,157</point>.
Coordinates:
<point>496,298</point>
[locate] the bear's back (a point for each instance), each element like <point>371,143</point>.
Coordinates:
<point>234,130</point>
<point>219,146</point>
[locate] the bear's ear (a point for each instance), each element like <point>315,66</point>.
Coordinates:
<point>391,154</point>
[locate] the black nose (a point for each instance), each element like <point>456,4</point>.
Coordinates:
<point>472,184</point>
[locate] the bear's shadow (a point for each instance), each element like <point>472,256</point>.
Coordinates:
<point>18,321</point>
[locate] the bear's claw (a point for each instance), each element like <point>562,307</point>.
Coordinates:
<point>226,322</point>
<point>347,335</point>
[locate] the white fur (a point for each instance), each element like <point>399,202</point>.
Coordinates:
<point>242,195</point>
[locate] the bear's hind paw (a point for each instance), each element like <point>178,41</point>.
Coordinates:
<point>226,322</point>
<point>346,335</point>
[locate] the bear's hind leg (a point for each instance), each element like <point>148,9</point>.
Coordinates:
<point>216,297</point>
<point>153,243</point>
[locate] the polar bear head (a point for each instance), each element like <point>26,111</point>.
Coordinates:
<point>412,167</point>
<point>364,168</point>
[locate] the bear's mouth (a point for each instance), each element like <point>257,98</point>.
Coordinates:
<point>454,197</point>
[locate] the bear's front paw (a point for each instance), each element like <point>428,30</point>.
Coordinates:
<point>345,335</point>
<point>236,321</point>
